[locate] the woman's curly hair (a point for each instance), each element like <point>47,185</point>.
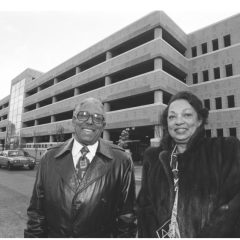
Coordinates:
<point>195,102</point>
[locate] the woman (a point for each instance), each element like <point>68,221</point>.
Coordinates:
<point>190,184</point>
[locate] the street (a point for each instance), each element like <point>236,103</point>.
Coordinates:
<point>15,191</point>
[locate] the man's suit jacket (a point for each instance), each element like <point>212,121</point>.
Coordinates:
<point>101,205</point>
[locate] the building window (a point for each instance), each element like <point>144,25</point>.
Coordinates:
<point>194,51</point>
<point>215,44</point>
<point>207,103</point>
<point>195,78</point>
<point>204,48</point>
<point>220,132</point>
<point>208,132</point>
<point>229,70</point>
<point>205,76</point>
<point>218,101</point>
<point>233,132</point>
<point>227,40</point>
<point>231,102</point>
<point>15,112</point>
<point>216,72</point>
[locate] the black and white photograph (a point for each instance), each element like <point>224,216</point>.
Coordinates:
<point>119,119</point>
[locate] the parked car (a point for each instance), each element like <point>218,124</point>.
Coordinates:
<point>16,159</point>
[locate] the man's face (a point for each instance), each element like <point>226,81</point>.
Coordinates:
<point>88,132</point>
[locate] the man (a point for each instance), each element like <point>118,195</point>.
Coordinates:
<point>70,201</point>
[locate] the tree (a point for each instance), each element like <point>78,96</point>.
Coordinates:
<point>59,133</point>
<point>124,138</point>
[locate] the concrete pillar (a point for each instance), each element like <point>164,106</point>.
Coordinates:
<point>34,139</point>
<point>106,135</point>
<point>222,72</point>
<point>78,70</point>
<point>212,104</point>
<point>38,89</point>
<point>106,107</point>
<point>211,74</point>
<point>214,132</point>
<point>108,55</point>
<point>200,76</point>
<point>220,42</point>
<point>155,142</point>
<point>210,46</point>
<point>51,138</point>
<point>76,91</point>
<point>224,102</point>
<point>157,63</point>
<point>226,132</point>
<point>158,96</point>
<point>238,132</point>
<point>55,80</point>
<point>37,105</point>
<point>53,118</point>
<point>107,80</point>
<point>35,122</point>
<point>54,99</point>
<point>158,32</point>
<point>158,132</point>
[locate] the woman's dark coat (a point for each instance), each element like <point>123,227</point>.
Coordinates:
<point>209,190</point>
<point>101,205</point>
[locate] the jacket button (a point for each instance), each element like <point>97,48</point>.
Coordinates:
<point>225,207</point>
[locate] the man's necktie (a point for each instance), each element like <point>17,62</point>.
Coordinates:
<point>83,163</point>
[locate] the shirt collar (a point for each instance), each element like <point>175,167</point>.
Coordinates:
<point>78,146</point>
<point>102,148</point>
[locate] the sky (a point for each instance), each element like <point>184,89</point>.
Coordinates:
<point>41,34</point>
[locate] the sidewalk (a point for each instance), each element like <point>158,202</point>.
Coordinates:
<point>15,190</point>
<point>138,173</point>
<point>138,177</point>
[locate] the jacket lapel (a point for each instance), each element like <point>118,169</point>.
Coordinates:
<point>164,158</point>
<point>65,167</point>
<point>99,166</point>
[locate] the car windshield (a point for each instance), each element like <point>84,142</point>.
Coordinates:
<point>15,153</point>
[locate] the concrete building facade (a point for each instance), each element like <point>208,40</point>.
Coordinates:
<point>134,72</point>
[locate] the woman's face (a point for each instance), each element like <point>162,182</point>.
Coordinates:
<point>182,121</point>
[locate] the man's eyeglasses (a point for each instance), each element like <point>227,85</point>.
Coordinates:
<point>83,116</point>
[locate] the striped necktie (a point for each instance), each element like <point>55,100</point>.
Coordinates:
<point>83,163</point>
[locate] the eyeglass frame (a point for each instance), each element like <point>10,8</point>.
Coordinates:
<point>92,117</point>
